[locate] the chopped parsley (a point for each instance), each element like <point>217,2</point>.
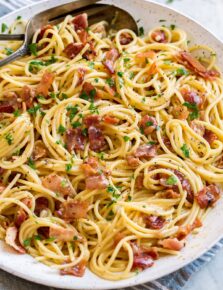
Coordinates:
<point>141,31</point>
<point>61,129</point>
<point>96,80</point>
<point>75,238</point>
<point>110,82</point>
<point>4,27</point>
<point>33,110</point>
<point>151,142</point>
<point>37,238</point>
<point>126,138</point>
<point>64,96</point>
<point>120,74</point>
<point>8,51</point>
<point>76,124</point>
<point>169,1</point>
<point>91,64</point>
<point>31,163</point>
<point>9,138</point>
<point>172,26</point>
<point>68,167</point>
<point>16,113</point>
<point>33,49</point>
<point>93,108</point>
<point>72,111</point>
<point>27,242</point>
<point>171,180</point>
<point>195,112</point>
<point>149,123</point>
<point>36,65</point>
<point>89,96</point>
<point>181,72</point>
<point>185,150</point>
<point>18,17</point>
<point>85,131</point>
<point>51,239</point>
<point>63,183</point>
<point>101,155</point>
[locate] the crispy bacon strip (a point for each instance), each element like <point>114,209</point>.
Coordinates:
<point>43,30</point>
<point>208,196</point>
<point>154,222</point>
<point>146,151</point>
<point>172,244</point>
<point>125,38</point>
<point>77,271</point>
<point>110,120</point>
<point>73,209</point>
<point>39,150</point>
<point>143,258</point>
<point>45,84</point>
<point>58,184</point>
<point>192,97</point>
<point>180,112</point>
<point>41,204</point>
<point>132,160</point>
<point>74,139</point>
<point>110,58</point>
<point>10,239</point>
<point>148,124</point>
<point>194,65</point>
<point>80,22</point>
<point>63,234</point>
<point>27,96</point>
<point>210,136</point>
<point>73,49</point>
<point>159,36</point>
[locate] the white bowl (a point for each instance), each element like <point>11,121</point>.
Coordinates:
<point>26,267</point>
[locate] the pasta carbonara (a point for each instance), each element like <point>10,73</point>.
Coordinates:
<point>110,146</point>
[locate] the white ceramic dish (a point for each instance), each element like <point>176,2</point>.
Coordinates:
<point>26,267</point>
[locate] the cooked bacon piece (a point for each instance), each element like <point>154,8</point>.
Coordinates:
<point>184,182</point>
<point>110,58</point>
<point>148,124</point>
<point>210,136</point>
<point>20,217</point>
<point>74,209</point>
<point>96,138</point>
<point>169,193</point>
<point>90,167</point>
<point>118,237</point>
<point>172,244</point>
<point>196,224</point>
<point>73,49</point>
<point>142,261</point>
<point>80,22</point>
<point>27,96</point>
<point>77,270</point>
<point>142,56</point>
<point>92,120</point>
<point>184,231</point>
<point>198,128</point>
<point>83,35</point>
<point>81,73</point>
<point>58,184</point>
<point>139,181</point>
<point>146,151</point>
<point>45,84</point>
<point>89,92</point>
<point>63,234</point>
<point>159,36</point>
<point>39,150</point>
<point>96,182</point>
<point>74,139</point>
<point>194,65</point>
<point>208,196</point>
<point>192,97</point>
<point>41,204</point>
<point>42,32</point>
<point>152,69</point>
<point>5,107</point>
<point>180,112</point>
<point>154,222</point>
<point>132,161</point>
<point>90,53</point>
<point>110,120</point>
<point>125,38</point>
<point>10,239</point>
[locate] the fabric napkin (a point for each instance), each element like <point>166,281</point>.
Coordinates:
<point>176,280</point>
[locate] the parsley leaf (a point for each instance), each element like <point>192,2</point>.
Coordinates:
<point>16,113</point>
<point>33,48</point>
<point>195,112</point>
<point>4,27</point>
<point>185,150</point>
<point>8,51</point>
<point>9,138</point>
<point>68,167</point>
<point>171,180</point>
<point>31,163</point>
<point>61,129</point>
<point>181,72</point>
<point>76,124</point>
<point>33,110</point>
<point>141,31</point>
<point>110,82</point>
<point>126,138</point>
<point>27,242</point>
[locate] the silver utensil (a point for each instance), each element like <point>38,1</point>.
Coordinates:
<point>53,16</point>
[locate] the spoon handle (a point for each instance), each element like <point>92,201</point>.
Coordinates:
<point>17,54</point>
<point>12,36</point>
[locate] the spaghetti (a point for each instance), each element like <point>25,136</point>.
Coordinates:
<point>110,146</point>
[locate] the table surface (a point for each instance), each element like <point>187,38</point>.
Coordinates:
<point>209,13</point>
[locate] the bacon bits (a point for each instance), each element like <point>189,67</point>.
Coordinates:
<point>74,139</point>
<point>89,92</point>
<point>80,22</point>
<point>39,150</point>
<point>192,97</point>
<point>146,151</point>
<point>41,203</point>
<point>148,124</point>
<point>208,196</point>
<point>63,234</point>
<point>210,136</point>
<point>172,244</point>
<point>110,120</point>
<point>132,161</point>
<point>125,38</point>
<point>77,270</point>
<point>73,49</point>
<point>73,209</point>
<point>143,258</point>
<point>159,36</point>
<point>58,184</point>
<point>154,222</point>
<point>180,112</point>
<point>142,56</point>
<point>27,96</point>
<point>10,239</point>
<point>20,217</point>
<point>10,104</point>
<point>189,61</point>
<point>110,58</point>
<point>42,32</point>
<point>45,84</point>
<point>95,134</point>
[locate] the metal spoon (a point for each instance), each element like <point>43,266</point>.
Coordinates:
<point>53,16</point>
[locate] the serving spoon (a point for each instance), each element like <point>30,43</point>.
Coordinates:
<point>53,16</point>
